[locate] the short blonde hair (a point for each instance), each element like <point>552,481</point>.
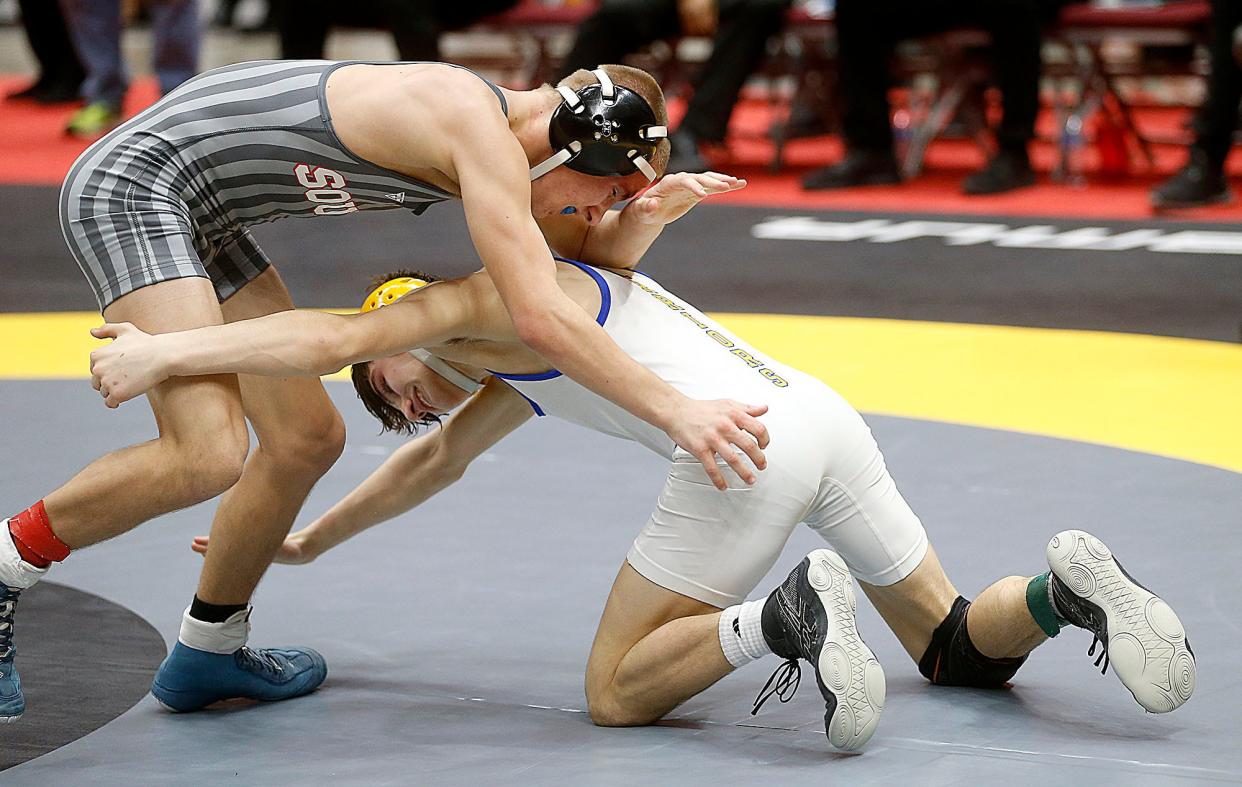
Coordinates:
<point>641,83</point>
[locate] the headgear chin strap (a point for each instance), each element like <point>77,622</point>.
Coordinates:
<point>394,290</point>
<point>438,365</point>
<point>604,130</point>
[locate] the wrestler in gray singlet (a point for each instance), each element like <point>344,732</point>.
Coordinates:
<point>170,193</point>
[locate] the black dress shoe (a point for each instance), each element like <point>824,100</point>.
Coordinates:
<point>685,156</point>
<point>1198,183</point>
<point>1005,172</point>
<point>31,91</point>
<point>858,168</point>
<point>59,93</point>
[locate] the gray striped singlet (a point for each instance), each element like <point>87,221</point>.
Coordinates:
<point>170,193</point>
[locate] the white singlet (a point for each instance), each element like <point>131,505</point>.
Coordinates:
<point>824,468</point>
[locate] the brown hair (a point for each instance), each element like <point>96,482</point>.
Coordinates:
<point>641,83</point>
<point>392,419</point>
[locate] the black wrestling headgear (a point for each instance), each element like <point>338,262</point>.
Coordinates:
<point>604,130</point>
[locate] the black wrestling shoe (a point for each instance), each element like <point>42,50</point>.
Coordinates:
<point>1198,183</point>
<point>811,616</point>
<point>1142,636</point>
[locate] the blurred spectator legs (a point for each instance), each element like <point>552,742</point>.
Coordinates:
<point>95,27</point>
<point>415,25</point>
<point>621,27</point>
<point>60,73</point>
<point>867,33</point>
<point>1202,180</point>
<point>178,34</point>
<point>738,50</point>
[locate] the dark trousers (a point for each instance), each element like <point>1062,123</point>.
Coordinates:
<point>868,31</point>
<point>415,25</point>
<point>95,26</point>
<point>49,41</point>
<point>621,27</point>
<point>1218,117</point>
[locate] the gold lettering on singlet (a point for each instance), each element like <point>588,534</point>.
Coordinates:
<point>724,341</point>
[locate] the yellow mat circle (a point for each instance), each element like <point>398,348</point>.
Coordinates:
<point>1174,397</point>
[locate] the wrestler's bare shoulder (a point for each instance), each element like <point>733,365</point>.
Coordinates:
<point>406,116</point>
<point>438,88</point>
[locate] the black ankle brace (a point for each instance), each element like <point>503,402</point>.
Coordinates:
<point>951,658</point>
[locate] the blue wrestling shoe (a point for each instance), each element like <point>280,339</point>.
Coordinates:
<point>12,701</point>
<point>191,679</point>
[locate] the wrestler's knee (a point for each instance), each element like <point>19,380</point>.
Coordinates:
<point>952,659</point>
<point>207,462</point>
<point>307,443</point>
<point>608,709</point>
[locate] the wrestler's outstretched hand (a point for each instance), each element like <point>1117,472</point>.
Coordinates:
<point>293,551</point>
<point>710,429</point>
<point>674,195</point>
<point>130,366</point>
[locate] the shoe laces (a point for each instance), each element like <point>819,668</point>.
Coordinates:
<point>1077,612</point>
<point>794,610</point>
<point>783,683</point>
<point>1095,640</point>
<point>8,603</point>
<point>260,660</point>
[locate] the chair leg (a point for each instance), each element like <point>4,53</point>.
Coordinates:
<point>1123,113</point>
<point>1073,128</point>
<point>942,111</point>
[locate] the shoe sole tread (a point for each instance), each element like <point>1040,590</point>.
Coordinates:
<point>1144,638</point>
<point>845,666</point>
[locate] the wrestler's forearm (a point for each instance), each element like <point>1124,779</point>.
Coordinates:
<point>415,473</point>
<point>421,468</point>
<point>619,240</point>
<point>575,344</point>
<point>287,344</point>
<point>549,322</point>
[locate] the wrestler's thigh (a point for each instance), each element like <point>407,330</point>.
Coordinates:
<point>184,407</point>
<point>712,545</point>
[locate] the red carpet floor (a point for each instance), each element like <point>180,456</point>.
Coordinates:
<point>34,150</point>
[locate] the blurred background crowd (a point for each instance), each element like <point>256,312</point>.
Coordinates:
<point>1105,89</point>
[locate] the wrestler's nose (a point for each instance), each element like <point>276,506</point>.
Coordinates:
<point>409,409</point>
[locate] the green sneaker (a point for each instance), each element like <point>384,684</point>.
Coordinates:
<point>93,120</point>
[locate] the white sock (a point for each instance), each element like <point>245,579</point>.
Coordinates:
<point>741,633</point>
<point>15,572</point>
<point>222,638</point>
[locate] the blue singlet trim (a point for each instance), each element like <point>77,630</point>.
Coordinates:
<point>605,306</point>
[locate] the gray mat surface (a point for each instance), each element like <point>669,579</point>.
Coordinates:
<point>456,637</point>
<point>83,661</point>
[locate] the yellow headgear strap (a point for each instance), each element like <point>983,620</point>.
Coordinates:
<point>390,292</point>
